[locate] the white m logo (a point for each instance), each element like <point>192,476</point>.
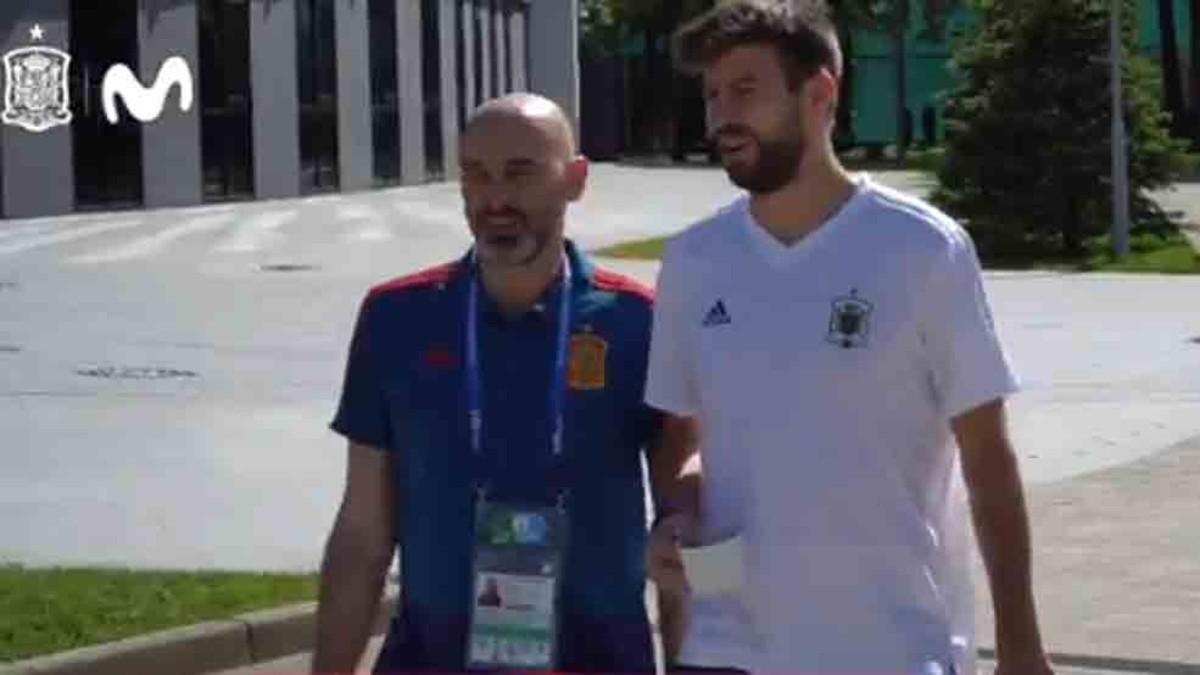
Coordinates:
<point>146,104</point>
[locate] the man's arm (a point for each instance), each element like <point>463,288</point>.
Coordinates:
<point>357,557</point>
<point>1002,528</point>
<point>675,487</point>
<point>675,476</point>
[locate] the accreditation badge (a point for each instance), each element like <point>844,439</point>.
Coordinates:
<point>515,599</point>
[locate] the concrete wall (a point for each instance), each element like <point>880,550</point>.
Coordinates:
<point>518,46</point>
<point>38,173</point>
<point>449,72</point>
<point>470,101</point>
<point>483,15</point>
<point>356,153</point>
<point>276,106</point>
<point>412,97</point>
<point>554,53</point>
<point>171,159</point>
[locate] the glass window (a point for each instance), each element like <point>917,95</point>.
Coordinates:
<point>226,120</point>
<point>385,99</point>
<point>108,157</point>
<point>316,64</point>
<point>431,50</point>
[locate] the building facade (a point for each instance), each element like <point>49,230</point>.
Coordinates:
<point>635,103</point>
<point>929,77</point>
<point>160,103</point>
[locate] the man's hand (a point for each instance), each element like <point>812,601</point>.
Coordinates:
<point>664,566</point>
<point>664,559</point>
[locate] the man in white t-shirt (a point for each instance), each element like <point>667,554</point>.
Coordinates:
<point>831,341</point>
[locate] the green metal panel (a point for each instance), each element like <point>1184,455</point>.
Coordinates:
<point>929,75</point>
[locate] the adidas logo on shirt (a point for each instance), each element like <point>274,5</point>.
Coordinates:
<point>717,316</point>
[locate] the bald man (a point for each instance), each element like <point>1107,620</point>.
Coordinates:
<point>493,408</point>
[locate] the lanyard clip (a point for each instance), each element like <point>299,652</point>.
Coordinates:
<point>563,496</point>
<point>481,493</point>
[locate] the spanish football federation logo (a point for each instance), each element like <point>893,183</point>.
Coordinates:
<point>588,366</point>
<point>36,97</point>
<point>850,321</point>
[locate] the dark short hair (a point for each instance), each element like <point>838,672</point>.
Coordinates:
<point>801,31</point>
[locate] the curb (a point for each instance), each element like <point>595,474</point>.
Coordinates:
<point>264,636</point>
<point>244,640</point>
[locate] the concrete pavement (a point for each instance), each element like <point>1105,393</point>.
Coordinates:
<point>1117,563</point>
<point>1117,571</point>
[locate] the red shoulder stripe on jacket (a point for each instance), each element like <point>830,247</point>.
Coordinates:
<point>607,280</point>
<point>423,279</point>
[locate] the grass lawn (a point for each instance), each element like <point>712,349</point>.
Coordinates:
<point>643,249</point>
<point>1149,254</point>
<point>49,610</point>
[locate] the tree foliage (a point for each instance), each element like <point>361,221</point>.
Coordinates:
<point>1029,128</point>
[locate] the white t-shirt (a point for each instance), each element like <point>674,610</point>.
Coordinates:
<point>824,376</point>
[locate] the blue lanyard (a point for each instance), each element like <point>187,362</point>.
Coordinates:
<point>557,395</point>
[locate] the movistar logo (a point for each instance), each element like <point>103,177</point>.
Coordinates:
<point>146,104</point>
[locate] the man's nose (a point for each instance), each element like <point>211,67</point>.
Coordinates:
<point>717,115</point>
<point>496,196</point>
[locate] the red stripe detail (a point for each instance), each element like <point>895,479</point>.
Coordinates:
<point>439,356</point>
<point>607,280</point>
<point>423,279</point>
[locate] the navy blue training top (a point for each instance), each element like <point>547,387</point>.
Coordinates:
<point>405,392</point>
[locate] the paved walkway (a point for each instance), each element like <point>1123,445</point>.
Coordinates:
<point>1183,200</point>
<point>1117,570</point>
<point>1117,562</point>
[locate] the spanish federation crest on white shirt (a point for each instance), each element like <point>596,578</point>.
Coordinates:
<point>850,322</point>
<point>36,97</point>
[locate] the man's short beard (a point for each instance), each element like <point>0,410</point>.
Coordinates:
<point>501,259</point>
<point>778,164</point>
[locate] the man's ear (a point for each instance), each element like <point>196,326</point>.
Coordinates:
<point>577,177</point>
<point>823,91</point>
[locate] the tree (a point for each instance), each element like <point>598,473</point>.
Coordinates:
<point>1194,73</point>
<point>1028,129</point>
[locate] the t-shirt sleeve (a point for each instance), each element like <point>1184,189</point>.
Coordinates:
<point>362,411</point>
<point>967,363</point>
<point>670,378</point>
